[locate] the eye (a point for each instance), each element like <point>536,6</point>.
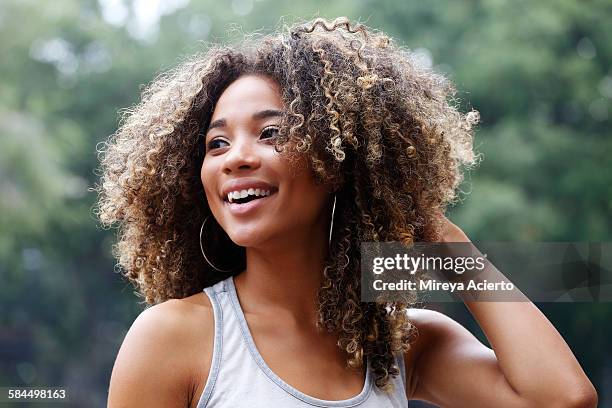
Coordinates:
<point>214,144</point>
<point>270,130</point>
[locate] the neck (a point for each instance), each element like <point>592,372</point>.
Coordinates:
<point>284,277</point>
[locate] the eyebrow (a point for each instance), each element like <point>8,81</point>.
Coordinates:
<point>264,114</point>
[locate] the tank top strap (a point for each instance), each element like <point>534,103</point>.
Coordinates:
<point>239,377</point>
<point>399,358</point>
<point>212,292</point>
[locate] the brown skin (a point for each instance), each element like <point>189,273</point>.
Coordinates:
<point>368,119</point>
<point>280,308</point>
<point>286,241</point>
<point>454,369</point>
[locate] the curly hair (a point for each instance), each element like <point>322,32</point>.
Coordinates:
<point>380,128</point>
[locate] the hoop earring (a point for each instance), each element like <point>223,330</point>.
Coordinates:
<point>331,227</point>
<point>204,254</point>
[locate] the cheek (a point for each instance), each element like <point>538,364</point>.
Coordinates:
<point>208,181</point>
<point>309,198</point>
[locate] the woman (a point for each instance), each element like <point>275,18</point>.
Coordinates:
<point>244,183</point>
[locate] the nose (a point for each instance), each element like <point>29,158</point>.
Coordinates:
<point>242,155</point>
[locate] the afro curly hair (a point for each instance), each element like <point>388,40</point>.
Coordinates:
<point>385,131</point>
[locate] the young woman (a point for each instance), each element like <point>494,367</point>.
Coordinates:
<point>244,183</point>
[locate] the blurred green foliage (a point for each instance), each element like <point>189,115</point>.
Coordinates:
<point>539,73</point>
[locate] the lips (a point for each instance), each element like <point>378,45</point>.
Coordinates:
<point>246,184</point>
<point>242,184</point>
<point>248,207</point>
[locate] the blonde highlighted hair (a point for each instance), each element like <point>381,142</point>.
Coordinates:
<point>372,122</point>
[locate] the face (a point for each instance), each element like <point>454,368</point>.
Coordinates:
<point>252,191</point>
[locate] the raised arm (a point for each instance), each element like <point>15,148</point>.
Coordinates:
<point>530,364</point>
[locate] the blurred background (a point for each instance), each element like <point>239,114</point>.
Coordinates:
<point>538,72</point>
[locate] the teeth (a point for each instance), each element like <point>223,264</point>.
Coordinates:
<point>234,195</point>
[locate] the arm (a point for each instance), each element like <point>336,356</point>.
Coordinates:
<point>154,367</point>
<point>530,364</point>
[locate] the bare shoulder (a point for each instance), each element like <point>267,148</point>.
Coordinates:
<point>432,328</point>
<point>164,355</point>
<point>433,323</point>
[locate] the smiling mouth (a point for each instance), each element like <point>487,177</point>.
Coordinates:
<point>246,196</point>
<point>239,202</point>
<point>246,205</point>
<point>246,199</point>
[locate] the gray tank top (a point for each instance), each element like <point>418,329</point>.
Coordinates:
<point>239,377</point>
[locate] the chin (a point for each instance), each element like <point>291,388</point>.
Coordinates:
<point>247,236</point>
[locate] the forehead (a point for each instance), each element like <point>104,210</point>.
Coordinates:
<point>248,94</point>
